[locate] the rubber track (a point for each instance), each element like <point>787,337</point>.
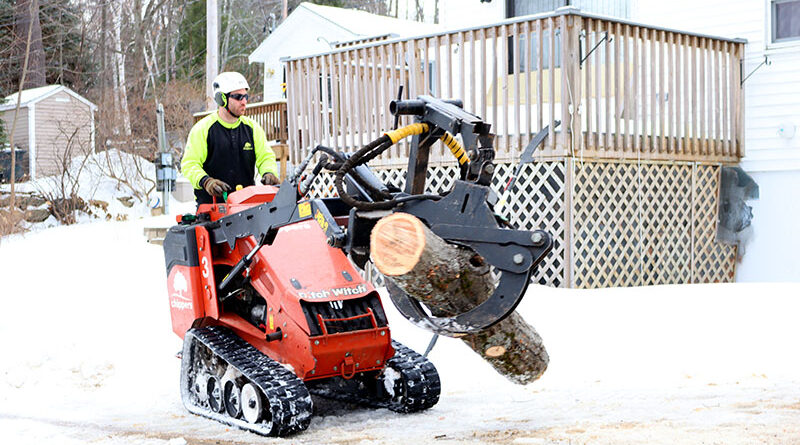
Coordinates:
<point>286,396</point>
<point>422,384</point>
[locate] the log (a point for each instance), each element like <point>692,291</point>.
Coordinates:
<point>450,280</point>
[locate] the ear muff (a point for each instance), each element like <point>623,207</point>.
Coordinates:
<point>219,97</point>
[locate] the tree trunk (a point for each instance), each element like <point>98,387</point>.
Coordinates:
<point>420,13</point>
<point>450,280</point>
<point>120,82</point>
<point>12,202</point>
<point>26,27</point>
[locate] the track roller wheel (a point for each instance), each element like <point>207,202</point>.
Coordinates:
<point>231,394</point>
<point>252,403</point>
<point>214,391</point>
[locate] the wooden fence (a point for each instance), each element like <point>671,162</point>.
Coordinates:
<point>622,90</point>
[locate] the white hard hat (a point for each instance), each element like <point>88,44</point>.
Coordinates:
<point>226,82</point>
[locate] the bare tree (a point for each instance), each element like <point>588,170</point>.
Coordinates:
<point>33,5</point>
<point>120,83</point>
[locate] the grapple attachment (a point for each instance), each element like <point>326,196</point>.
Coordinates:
<point>463,217</point>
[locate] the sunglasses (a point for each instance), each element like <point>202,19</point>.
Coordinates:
<point>238,96</point>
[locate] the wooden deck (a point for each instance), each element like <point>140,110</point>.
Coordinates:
<point>622,90</point>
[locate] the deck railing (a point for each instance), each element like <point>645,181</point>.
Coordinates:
<point>621,90</point>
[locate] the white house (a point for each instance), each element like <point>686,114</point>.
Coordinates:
<point>772,115</point>
<point>772,102</point>
<point>772,99</point>
<point>312,29</point>
<point>53,122</point>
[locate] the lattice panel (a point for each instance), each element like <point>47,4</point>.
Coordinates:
<point>606,233</point>
<point>645,224</point>
<point>537,202</point>
<point>632,224</point>
<point>713,261</point>
<point>323,186</point>
<point>666,221</point>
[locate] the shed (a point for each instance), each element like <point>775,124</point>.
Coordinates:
<point>312,29</point>
<point>54,124</point>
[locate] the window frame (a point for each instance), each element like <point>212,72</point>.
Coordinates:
<point>771,29</point>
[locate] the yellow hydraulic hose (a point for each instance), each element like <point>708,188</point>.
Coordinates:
<point>410,130</point>
<point>455,147</point>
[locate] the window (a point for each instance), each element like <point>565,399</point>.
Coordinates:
<point>518,8</point>
<point>785,20</point>
<point>614,8</point>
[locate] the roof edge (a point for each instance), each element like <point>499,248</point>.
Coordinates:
<point>60,88</point>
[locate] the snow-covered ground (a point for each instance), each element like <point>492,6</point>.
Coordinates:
<point>88,356</point>
<point>103,180</point>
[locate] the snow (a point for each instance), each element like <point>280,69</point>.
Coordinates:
<point>105,177</point>
<point>88,356</point>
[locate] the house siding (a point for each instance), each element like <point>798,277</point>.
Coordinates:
<point>772,103</point>
<point>21,131</point>
<point>63,130</point>
<point>772,93</point>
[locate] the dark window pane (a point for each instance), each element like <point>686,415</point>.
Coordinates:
<point>786,20</point>
<point>615,8</point>
<point>518,8</point>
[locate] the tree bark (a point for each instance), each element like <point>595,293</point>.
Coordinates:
<point>27,28</point>
<point>450,280</point>
<point>12,203</point>
<point>120,82</point>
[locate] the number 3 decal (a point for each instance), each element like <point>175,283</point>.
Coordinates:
<point>204,263</point>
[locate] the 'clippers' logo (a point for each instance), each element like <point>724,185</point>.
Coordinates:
<point>179,286</point>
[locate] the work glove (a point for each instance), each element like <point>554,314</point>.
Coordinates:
<point>215,187</point>
<point>270,179</point>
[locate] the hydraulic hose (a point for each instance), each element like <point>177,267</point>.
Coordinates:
<point>452,143</point>
<point>455,147</point>
<point>409,130</point>
<point>378,146</point>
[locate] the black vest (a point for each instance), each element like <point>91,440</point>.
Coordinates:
<point>231,157</point>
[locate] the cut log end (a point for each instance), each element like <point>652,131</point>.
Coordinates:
<point>494,351</point>
<point>396,243</point>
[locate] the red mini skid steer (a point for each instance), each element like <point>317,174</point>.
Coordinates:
<point>266,293</point>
